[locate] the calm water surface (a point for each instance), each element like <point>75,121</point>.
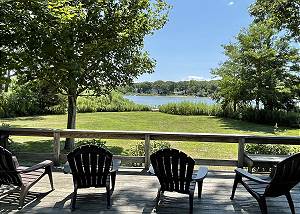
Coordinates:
<point>156,101</point>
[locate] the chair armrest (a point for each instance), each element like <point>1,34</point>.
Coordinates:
<point>201,174</point>
<point>16,162</point>
<point>251,177</point>
<point>273,170</point>
<point>115,165</point>
<point>36,167</point>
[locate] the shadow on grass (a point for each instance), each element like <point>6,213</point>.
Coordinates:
<point>46,146</point>
<point>247,126</point>
<point>43,146</point>
<point>31,118</point>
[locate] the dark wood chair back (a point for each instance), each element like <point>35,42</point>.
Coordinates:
<point>174,170</point>
<point>4,139</point>
<point>8,172</point>
<point>286,176</point>
<point>90,166</point>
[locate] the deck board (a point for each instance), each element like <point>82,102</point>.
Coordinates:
<point>135,193</point>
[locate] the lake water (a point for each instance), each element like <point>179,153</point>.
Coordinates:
<point>156,101</point>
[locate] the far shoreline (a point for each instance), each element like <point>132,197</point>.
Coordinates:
<point>157,95</point>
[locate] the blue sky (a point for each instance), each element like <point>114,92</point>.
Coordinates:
<point>190,43</point>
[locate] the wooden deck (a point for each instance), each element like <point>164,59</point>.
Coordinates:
<point>135,193</point>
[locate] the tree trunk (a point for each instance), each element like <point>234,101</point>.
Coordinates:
<point>69,145</point>
<point>234,106</point>
<point>257,104</point>
<point>256,109</point>
<point>7,81</point>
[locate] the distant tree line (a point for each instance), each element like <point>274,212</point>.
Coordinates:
<point>191,88</point>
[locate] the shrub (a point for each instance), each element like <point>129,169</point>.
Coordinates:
<point>190,108</point>
<point>282,118</point>
<point>268,149</point>
<point>96,142</point>
<point>113,103</point>
<point>139,149</point>
<point>57,109</point>
<point>32,98</point>
<point>85,105</point>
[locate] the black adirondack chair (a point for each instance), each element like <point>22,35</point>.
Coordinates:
<point>24,177</point>
<point>283,178</point>
<point>4,139</point>
<point>174,170</point>
<point>93,166</point>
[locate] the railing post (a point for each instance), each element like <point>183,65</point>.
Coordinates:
<point>56,148</point>
<point>147,151</point>
<point>241,151</point>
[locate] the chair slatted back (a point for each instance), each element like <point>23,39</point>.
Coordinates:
<point>3,139</point>
<point>90,166</point>
<point>286,176</point>
<point>174,170</point>
<point>8,172</point>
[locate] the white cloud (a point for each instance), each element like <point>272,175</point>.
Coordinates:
<point>231,3</point>
<point>199,78</point>
<point>215,78</point>
<point>188,78</point>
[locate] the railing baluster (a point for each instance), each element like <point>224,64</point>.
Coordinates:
<point>241,151</point>
<point>137,135</point>
<point>56,148</point>
<point>147,151</point>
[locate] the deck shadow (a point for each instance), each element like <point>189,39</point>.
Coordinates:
<point>9,199</point>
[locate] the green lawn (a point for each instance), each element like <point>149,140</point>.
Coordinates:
<point>147,121</point>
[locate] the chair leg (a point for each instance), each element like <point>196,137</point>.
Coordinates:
<point>191,199</point>
<point>290,200</point>
<point>48,170</point>
<point>157,198</point>
<point>74,199</point>
<point>237,179</point>
<point>23,193</point>
<point>108,194</point>
<point>263,205</point>
<point>250,169</point>
<point>113,180</point>
<point>200,184</point>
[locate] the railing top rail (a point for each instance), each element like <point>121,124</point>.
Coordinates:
<point>137,135</point>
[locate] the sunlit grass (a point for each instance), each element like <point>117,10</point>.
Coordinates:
<point>147,121</point>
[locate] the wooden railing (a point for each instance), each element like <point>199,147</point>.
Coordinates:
<point>241,140</point>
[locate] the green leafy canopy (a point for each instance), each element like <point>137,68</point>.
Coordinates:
<point>260,66</point>
<point>82,45</point>
<point>282,14</point>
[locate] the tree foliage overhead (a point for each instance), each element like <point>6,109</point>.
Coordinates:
<point>283,14</point>
<point>78,46</point>
<point>260,66</point>
<point>88,45</point>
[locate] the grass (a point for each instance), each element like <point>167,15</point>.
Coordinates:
<point>147,121</point>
